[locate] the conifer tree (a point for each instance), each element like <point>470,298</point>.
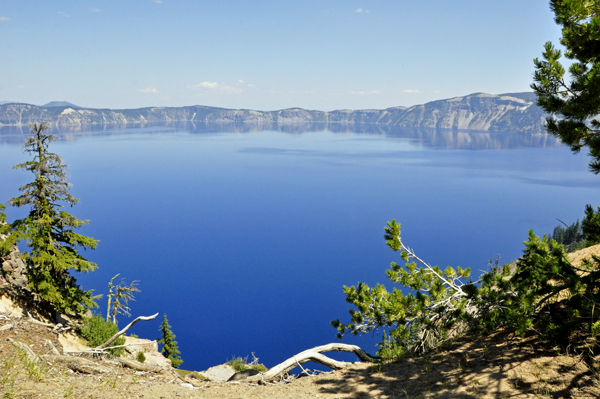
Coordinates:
<point>10,239</point>
<point>50,231</point>
<point>573,104</point>
<point>169,349</point>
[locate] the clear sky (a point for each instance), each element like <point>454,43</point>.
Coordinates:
<point>267,54</point>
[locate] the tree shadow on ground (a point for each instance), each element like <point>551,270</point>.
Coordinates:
<point>497,366</point>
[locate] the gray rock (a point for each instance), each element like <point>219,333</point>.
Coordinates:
<point>19,282</point>
<point>7,266</point>
<point>219,373</point>
<point>242,375</point>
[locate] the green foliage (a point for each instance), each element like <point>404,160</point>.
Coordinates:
<point>238,363</point>
<point>11,239</point>
<point>417,321</point>
<point>579,235</point>
<point>577,100</point>
<point>545,295</point>
<point>169,349</point>
<point>49,231</point>
<point>390,349</point>
<point>571,237</point>
<point>141,357</point>
<point>97,331</point>
<point>241,364</point>
<point>35,370</point>
<point>591,225</point>
<point>551,296</point>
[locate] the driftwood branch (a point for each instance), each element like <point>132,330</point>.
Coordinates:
<point>123,331</point>
<point>34,321</point>
<point>132,364</point>
<point>79,364</point>
<point>56,328</point>
<point>313,355</point>
<point>102,351</point>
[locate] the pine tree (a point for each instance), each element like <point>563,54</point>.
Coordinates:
<point>169,349</point>
<point>7,240</point>
<point>418,321</point>
<point>577,100</point>
<point>49,231</point>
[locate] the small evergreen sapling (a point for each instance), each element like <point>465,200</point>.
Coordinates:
<point>169,349</point>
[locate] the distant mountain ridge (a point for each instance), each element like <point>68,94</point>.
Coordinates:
<point>510,112</point>
<point>60,104</point>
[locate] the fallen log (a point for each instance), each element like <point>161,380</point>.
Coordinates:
<point>123,331</point>
<point>80,364</point>
<point>313,355</point>
<point>132,364</point>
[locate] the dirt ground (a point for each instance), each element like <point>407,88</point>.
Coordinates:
<point>497,366</point>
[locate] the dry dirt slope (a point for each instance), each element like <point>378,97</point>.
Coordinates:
<point>498,366</point>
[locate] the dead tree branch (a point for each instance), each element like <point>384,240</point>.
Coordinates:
<point>313,355</point>
<point>123,331</point>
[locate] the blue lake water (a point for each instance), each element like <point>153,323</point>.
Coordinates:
<point>244,237</point>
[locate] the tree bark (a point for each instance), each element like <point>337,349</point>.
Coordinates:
<point>123,331</point>
<point>313,355</point>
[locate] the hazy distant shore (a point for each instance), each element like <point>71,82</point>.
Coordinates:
<point>512,112</point>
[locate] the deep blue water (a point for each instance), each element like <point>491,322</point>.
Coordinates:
<point>244,237</point>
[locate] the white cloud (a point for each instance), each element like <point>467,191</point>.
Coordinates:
<point>217,87</point>
<point>64,14</point>
<point>4,19</point>
<point>207,85</point>
<point>360,11</point>
<point>240,81</point>
<point>410,91</point>
<point>95,10</point>
<point>151,90</point>
<point>157,1</point>
<point>362,92</point>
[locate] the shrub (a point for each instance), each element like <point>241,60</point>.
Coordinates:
<point>97,331</point>
<point>241,364</point>
<point>238,363</point>
<point>141,357</point>
<point>547,295</point>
